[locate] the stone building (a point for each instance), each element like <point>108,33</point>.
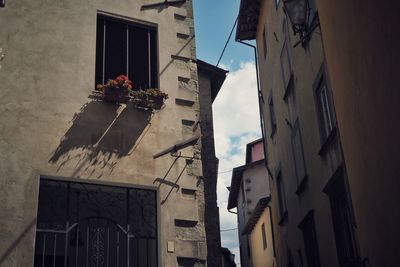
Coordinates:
<point>312,211</point>
<point>249,185</point>
<point>86,182</point>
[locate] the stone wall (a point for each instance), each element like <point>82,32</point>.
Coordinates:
<point>50,126</point>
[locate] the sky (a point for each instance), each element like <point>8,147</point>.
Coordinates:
<point>235,110</point>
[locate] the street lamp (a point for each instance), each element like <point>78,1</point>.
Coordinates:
<point>298,12</point>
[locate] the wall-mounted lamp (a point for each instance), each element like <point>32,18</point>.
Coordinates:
<point>298,12</point>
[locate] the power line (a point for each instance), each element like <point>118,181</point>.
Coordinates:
<point>227,41</point>
<point>226,230</point>
<point>224,171</point>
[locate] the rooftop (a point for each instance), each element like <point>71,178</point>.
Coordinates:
<point>248,19</point>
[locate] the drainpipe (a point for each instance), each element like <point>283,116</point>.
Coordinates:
<point>259,93</point>
<point>259,104</point>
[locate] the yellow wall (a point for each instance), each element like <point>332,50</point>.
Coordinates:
<point>362,43</point>
<point>262,257</point>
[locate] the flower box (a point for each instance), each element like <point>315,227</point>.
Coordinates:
<point>116,95</point>
<point>119,90</point>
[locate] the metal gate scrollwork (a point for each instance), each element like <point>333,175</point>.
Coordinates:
<point>88,225</point>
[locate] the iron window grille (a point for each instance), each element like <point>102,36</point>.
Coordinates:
<point>91,225</point>
<point>126,47</point>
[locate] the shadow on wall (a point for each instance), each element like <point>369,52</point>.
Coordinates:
<point>100,132</point>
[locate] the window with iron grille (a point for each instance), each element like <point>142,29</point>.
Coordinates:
<point>129,48</point>
<point>80,224</point>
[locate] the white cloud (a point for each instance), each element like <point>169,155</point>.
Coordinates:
<point>236,123</point>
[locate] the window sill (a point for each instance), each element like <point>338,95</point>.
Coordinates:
<point>327,142</point>
<point>283,219</point>
<point>302,185</point>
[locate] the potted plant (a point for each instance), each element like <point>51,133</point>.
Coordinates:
<point>156,98</point>
<point>149,98</point>
<point>116,90</point>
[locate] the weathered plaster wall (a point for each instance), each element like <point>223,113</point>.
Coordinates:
<point>210,170</point>
<point>362,55</point>
<point>262,257</point>
<point>256,186</point>
<point>299,104</point>
<point>50,126</point>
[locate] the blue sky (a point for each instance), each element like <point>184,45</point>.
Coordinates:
<point>213,22</point>
<point>235,110</point>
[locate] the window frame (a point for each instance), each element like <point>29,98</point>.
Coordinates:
<point>301,181</point>
<point>326,133</point>
<point>283,209</point>
<point>264,36</point>
<point>154,77</point>
<point>286,80</point>
<point>307,224</point>
<point>336,189</point>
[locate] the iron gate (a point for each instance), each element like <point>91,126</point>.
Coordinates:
<point>88,225</point>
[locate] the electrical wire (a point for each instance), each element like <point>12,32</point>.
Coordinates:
<point>227,41</point>
<point>224,171</point>
<point>226,230</point>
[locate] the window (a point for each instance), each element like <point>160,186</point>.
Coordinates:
<point>324,107</point>
<point>264,236</point>
<point>307,226</point>
<point>272,114</point>
<point>286,65</point>
<point>127,48</point>
<point>344,228</point>
<point>312,10</point>
<point>298,153</point>
<point>281,197</point>
<point>81,224</point>
<point>264,43</point>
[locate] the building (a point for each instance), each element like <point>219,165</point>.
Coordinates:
<point>312,212</point>
<point>362,58</point>
<point>228,259</point>
<point>86,182</point>
<point>249,185</point>
<point>261,235</point>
